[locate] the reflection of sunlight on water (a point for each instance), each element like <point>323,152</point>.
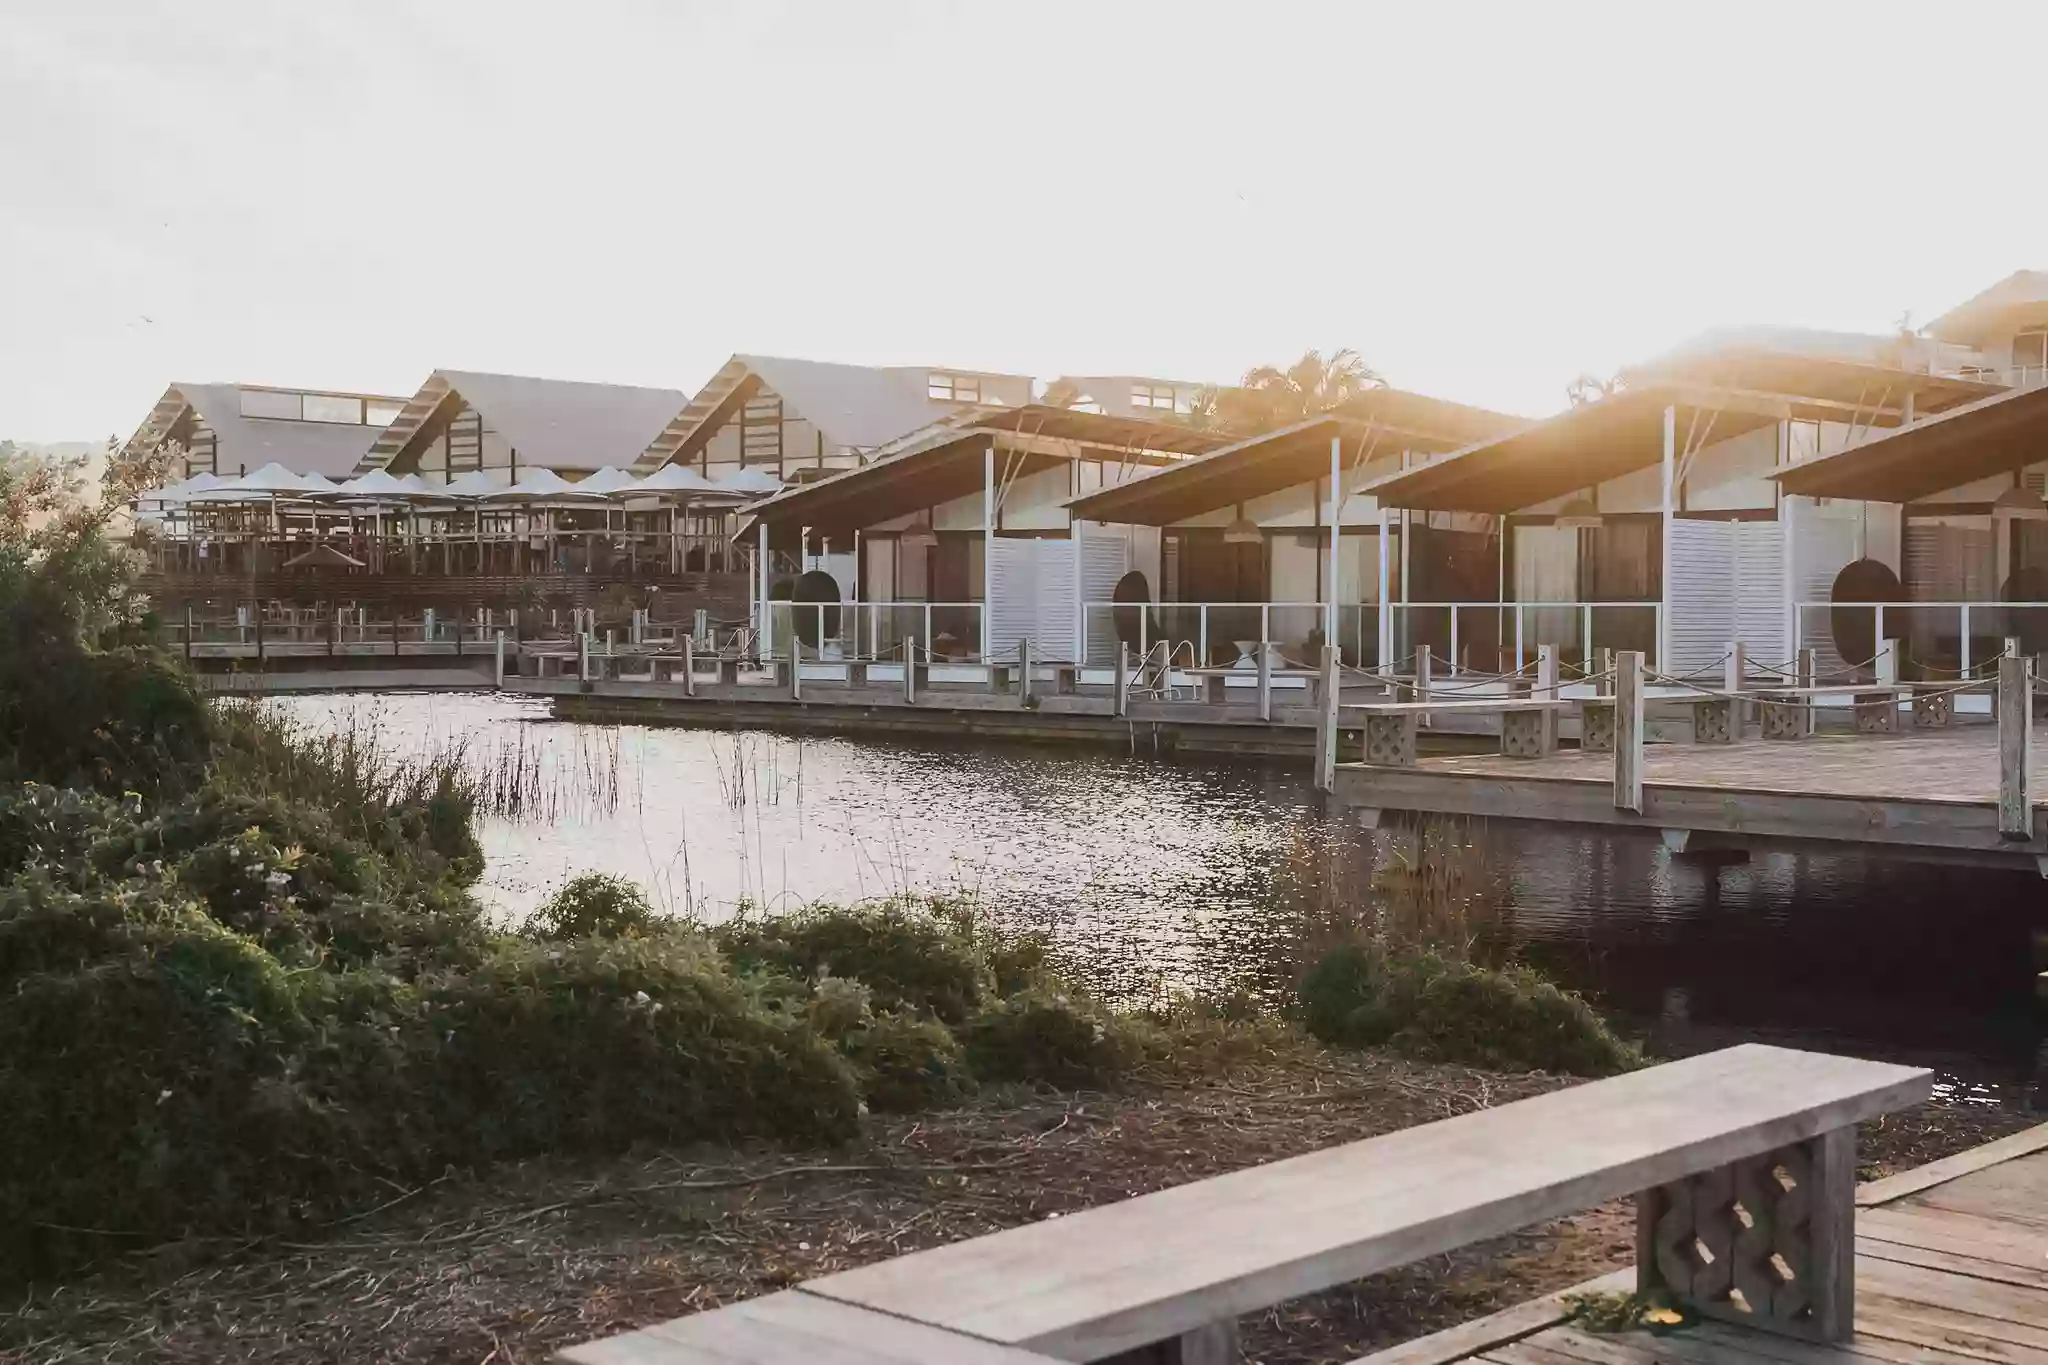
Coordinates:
<point>1154,873</point>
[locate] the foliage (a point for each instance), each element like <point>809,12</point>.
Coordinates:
<point>1426,1005</point>
<point>905,1063</point>
<point>1046,1036</point>
<point>910,955</point>
<point>1269,397</point>
<point>594,904</point>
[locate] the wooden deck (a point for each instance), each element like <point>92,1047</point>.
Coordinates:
<point>1951,1269</point>
<point>1931,794</point>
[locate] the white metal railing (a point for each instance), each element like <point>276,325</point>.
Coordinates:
<point>877,630</point>
<point>2017,376</point>
<point>1944,637</point>
<point>1369,636</point>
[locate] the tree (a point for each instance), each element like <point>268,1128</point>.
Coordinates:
<point>1270,397</point>
<point>1062,393</point>
<point>1590,388</point>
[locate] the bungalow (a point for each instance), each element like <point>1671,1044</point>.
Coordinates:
<point>232,429</point>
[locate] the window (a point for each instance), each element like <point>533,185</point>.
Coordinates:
<point>379,413</point>
<point>2030,350</point>
<point>264,403</point>
<point>954,388</point>
<point>324,407</point>
<point>1162,397</point>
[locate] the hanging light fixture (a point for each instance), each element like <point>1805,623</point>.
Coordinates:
<point>1578,513</point>
<point>1243,531</point>
<point>2016,502</point>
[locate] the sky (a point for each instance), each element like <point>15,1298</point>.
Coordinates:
<point>1484,200</point>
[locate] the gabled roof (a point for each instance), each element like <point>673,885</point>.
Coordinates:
<point>2002,434</point>
<point>551,423</point>
<point>1969,321</point>
<point>857,407</point>
<point>1381,422</point>
<point>945,460</point>
<point>248,443</point>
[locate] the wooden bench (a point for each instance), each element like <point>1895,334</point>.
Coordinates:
<point>1528,725</point>
<point>1787,712</point>
<point>1741,1161</point>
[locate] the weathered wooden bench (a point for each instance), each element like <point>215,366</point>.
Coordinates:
<point>1528,725</point>
<point>1787,712</point>
<point>1742,1163</point>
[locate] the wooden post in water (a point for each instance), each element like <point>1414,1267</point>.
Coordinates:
<point>2015,748</point>
<point>1546,689</point>
<point>910,670</point>
<point>1265,681</point>
<point>500,667</point>
<point>1328,688</point>
<point>1628,731</point>
<point>1123,677</point>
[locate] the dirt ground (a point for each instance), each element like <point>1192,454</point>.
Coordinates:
<point>503,1267</point>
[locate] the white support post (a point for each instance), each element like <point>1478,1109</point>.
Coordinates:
<point>2015,748</point>
<point>1384,649</point>
<point>1547,680</point>
<point>1328,688</point>
<point>1336,513</point>
<point>764,637</point>
<point>1670,518</point>
<point>498,670</point>
<point>988,547</point>
<point>1265,680</point>
<point>1078,536</point>
<point>427,629</point>
<point>1628,731</point>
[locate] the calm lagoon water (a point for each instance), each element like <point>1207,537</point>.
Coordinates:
<point>1177,873</point>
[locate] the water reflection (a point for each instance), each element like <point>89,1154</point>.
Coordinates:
<point>1156,874</point>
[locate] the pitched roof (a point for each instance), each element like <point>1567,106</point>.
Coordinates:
<point>552,423</point>
<point>1967,321</point>
<point>855,406</point>
<point>2001,434</point>
<point>249,443</point>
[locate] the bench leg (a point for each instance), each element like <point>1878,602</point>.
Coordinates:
<point>1390,740</point>
<point>1782,719</point>
<point>1215,1344</point>
<point>1596,727</point>
<point>1521,734</point>
<point>1877,714</point>
<point>1933,710</point>
<point>1713,721</point>
<point>1779,1232</point>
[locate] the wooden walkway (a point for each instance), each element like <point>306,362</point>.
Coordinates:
<point>1951,1269</point>
<point>1930,794</point>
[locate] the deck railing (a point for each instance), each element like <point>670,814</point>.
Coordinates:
<point>1951,638</point>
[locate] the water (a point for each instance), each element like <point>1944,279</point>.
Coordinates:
<point>1158,874</point>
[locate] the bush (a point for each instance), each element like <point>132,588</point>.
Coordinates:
<point>1427,1006</point>
<point>1044,1036</point>
<point>594,904</point>
<point>906,1064</point>
<point>907,955</point>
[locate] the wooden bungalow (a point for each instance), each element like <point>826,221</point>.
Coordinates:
<point>232,429</point>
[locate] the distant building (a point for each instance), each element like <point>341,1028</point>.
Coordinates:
<point>231,429</point>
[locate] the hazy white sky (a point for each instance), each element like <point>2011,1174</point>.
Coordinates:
<point>1483,199</point>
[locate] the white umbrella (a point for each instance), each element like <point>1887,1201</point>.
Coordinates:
<point>317,484</point>
<point>676,478</point>
<point>542,485</point>
<point>751,482</point>
<point>609,481</point>
<point>375,486</point>
<point>416,482</point>
<point>475,484</point>
<point>267,484</point>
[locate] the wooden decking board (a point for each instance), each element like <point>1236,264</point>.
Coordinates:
<point>1457,1343</point>
<point>2011,1271</point>
<point>1948,1230</point>
<point>1997,1312</point>
<point>1991,1154</point>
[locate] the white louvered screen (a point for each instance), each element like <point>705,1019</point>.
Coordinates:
<point>1760,592</point>
<point>1826,546</point>
<point>1104,559</point>
<point>1032,594</point>
<point>1702,593</point>
<point>1053,636</point>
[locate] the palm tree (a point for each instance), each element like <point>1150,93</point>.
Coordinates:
<point>1269,397</point>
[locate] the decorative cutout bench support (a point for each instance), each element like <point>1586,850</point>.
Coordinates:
<point>1768,1241</point>
<point>1933,710</point>
<point>1877,713</point>
<point>1781,716</point>
<point>1596,725</point>
<point>1528,725</point>
<point>1714,720</point>
<point>1390,739</point>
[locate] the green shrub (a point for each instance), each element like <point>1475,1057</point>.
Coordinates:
<point>908,956</point>
<point>1438,1009</point>
<point>1045,1036</point>
<point>594,904</point>
<point>906,1064</point>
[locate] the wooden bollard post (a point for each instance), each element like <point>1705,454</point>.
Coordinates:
<point>1265,681</point>
<point>1329,687</point>
<point>1546,688</point>
<point>1123,677</point>
<point>2015,748</point>
<point>1628,731</point>
<point>1024,671</point>
<point>1733,680</point>
<point>700,625</point>
<point>1888,662</point>
<point>188,630</point>
<point>1805,669</point>
<point>796,667</point>
<point>498,678</point>
<point>583,656</point>
<point>689,667</point>
<point>910,670</point>
<point>1424,665</point>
